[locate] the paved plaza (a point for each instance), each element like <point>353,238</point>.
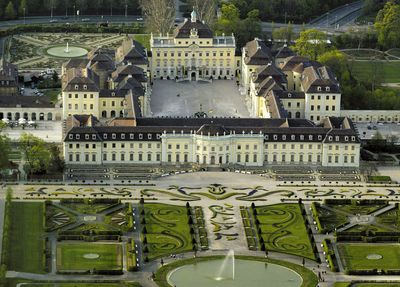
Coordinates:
<point>221,98</point>
<point>50,131</point>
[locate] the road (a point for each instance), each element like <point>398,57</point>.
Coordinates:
<point>342,15</point>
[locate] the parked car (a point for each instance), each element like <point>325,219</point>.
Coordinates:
<point>85,20</point>
<point>53,20</point>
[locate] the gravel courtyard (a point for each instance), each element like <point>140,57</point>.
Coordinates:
<point>220,98</point>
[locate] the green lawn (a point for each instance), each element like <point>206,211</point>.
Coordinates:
<point>379,178</point>
<point>70,256</point>
<point>52,94</point>
<point>283,229</point>
<point>387,72</point>
<point>26,245</point>
<point>168,230</point>
<point>125,284</point>
<point>354,256</point>
<point>143,39</point>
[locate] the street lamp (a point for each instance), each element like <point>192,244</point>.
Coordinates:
<point>126,10</point>
<point>111,8</point>
<point>74,14</point>
<point>24,16</point>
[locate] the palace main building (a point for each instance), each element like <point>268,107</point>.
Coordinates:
<point>294,102</point>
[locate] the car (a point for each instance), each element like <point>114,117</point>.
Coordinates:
<point>53,20</point>
<point>140,19</point>
<point>369,127</point>
<point>85,20</point>
<point>65,17</point>
<point>374,128</point>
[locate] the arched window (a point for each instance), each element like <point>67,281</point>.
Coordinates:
<point>33,116</point>
<point>17,116</point>
<point>297,115</point>
<point>113,114</point>
<point>49,116</point>
<point>104,114</point>
<point>26,116</point>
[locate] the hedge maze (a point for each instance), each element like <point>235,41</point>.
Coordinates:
<point>167,229</point>
<point>284,228</point>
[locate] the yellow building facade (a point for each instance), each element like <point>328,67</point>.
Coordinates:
<point>193,53</point>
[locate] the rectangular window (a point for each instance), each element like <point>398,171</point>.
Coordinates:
<point>77,157</point>
<point>93,157</point>
<point>140,157</point>
<point>122,157</point>
<point>104,156</point>
<point>131,156</point>
<point>149,157</point>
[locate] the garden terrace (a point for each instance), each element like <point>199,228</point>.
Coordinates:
<point>282,228</point>
<point>26,248</point>
<point>370,258</point>
<point>89,257</point>
<point>166,230</point>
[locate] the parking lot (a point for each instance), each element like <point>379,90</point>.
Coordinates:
<point>384,129</point>
<point>220,98</point>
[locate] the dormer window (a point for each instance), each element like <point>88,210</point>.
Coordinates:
<point>337,138</point>
<point>330,138</point>
<point>78,137</point>
<point>131,136</point>
<point>140,136</point>
<point>71,136</point>
<point>85,87</point>
<point>328,89</point>
<point>114,136</point>
<point>158,136</point>
<point>293,137</point>
<point>283,137</point>
<point>94,137</point>
<point>86,137</point>
<point>275,137</point>
<point>346,138</point>
<point>319,89</point>
<point>319,137</point>
<point>123,136</point>
<point>105,136</point>
<point>353,139</point>
<point>310,137</point>
<point>76,87</point>
<point>113,94</point>
<point>302,137</point>
<point>149,136</point>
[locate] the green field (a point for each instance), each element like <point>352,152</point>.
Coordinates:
<point>376,285</point>
<point>168,230</point>
<point>354,256</point>
<point>70,256</point>
<point>26,245</point>
<point>125,284</point>
<point>386,72</point>
<point>52,94</point>
<point>283,229</point>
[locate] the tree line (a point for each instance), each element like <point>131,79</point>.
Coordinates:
<point>12,9</point>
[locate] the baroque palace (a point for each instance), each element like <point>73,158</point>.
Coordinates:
<point>294,102</point>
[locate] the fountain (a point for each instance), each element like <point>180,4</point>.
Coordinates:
<point>67,48</point>
<point>233,272</point>
<point>227,269</point>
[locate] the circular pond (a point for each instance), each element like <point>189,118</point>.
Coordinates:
<point>60,51</point>
<point>245,273</point>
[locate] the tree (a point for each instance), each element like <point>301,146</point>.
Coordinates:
<point>387,25</point>
<point>5,148</point>
<point>57,164</point>
<point>36,153</point>
<point>283,33</point>
<point>336,60</point>
<point>312,43</point>
<point>9,13</point>
<point>22,8</point>
<point>206,10</point>
<point>159,15</point>
<point>229,21</point>
<point>55,76</point>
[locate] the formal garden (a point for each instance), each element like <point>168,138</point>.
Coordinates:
<point>361,258</point>
<point>166,230</point>
<point>284,228</point>
<point>46,50</point>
